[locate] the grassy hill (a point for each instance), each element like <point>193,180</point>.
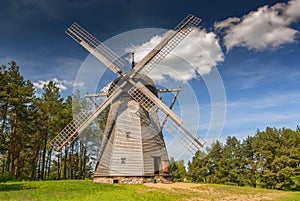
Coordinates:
<point>88,191</point>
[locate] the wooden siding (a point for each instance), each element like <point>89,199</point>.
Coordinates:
<point>132,144</point>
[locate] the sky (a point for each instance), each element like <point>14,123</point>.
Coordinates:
<point>244,55</point>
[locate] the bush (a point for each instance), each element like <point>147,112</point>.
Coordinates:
<point>5,177</point>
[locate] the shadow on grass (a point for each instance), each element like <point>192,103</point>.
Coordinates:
<point>14,187</point>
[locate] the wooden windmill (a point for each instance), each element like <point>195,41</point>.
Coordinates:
<point>133,149</point>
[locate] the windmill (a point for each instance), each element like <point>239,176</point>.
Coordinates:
<point>133,148</point>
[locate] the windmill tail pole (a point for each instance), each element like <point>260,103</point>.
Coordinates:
<point>172,104</point>
<point>132,58</point>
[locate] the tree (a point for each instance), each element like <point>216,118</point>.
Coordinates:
<point>270,159</point>
<point>16,100</point>
<point>230,164</point>
<point>178,169</point>
<point>28,123</point>
<point>249,152</point>
<point>50,107</point>
<point>207,169</point>
<point>198,169</point>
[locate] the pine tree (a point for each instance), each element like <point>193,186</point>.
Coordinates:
<point>230,164</point>
<point>16,99</point>
<point>248,161</point>
<point>178,169</point>
<point>50,106</point>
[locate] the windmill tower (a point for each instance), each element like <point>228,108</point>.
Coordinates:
<point>133,149</point>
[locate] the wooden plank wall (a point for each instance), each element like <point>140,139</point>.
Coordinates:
<point>133,144</point>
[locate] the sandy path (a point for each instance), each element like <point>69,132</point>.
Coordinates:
<point>173,185</point>
<point>202,192</point>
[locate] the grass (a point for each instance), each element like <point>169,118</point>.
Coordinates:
<point>88,191</point>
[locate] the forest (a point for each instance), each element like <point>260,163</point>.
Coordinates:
<point>29,122</point>
<point>267,159</point>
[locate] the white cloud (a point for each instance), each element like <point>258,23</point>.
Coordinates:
<point>293,9</point>
<point>61,84</point>
<point>265,28</point>
<point>78,84</point>
<point>226,23</point>
<point>196,55</point>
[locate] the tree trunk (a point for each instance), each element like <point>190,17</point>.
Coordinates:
<point>72,160</point>
<point>39,166</point>
<point>12,149</point>
<point>65,162</point>
<point>44,154</point>
<point>81,158</point>
<point>3,165</point>
<point>18,164</point>
<point>254,176</point>
<point>84,162</point>
<point>9,151</point>
<point>59,156</point>
<point>5,106</point>
<point>34,163</point>
<point>49,163</point>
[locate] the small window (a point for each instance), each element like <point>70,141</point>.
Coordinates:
<point>128,134</point>
<point>123,160</point>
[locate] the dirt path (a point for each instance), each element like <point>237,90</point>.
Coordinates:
<point>173,185</point>
<point>203,192</point>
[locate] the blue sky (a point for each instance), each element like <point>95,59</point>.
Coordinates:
<point>255,46</point>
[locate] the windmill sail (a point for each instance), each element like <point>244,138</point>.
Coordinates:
<point>174,124</point>
<point>167,44</point>
<point>150,102</point>
<point>96,48</point>
<point>75,127</point>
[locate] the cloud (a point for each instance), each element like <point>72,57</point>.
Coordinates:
<point>196,55</point>
<point>265,28</point>
<point>226,23</point>
<point>293,9</point>
<point>61,84</point>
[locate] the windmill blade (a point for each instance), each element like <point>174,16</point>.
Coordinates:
<point>150,102</point>
<point>177,90</point>
<point>77,125</point>
<point>155,106</point>
<point>182,135</point>
<point>167,44</point>
<point>190,142</point>
<point>96,48</point>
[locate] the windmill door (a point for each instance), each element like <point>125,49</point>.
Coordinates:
<point>157,164</point>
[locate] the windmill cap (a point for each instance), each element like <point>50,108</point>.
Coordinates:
<point>144,79</point>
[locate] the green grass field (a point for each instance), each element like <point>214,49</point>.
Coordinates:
<point>87,190</point>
